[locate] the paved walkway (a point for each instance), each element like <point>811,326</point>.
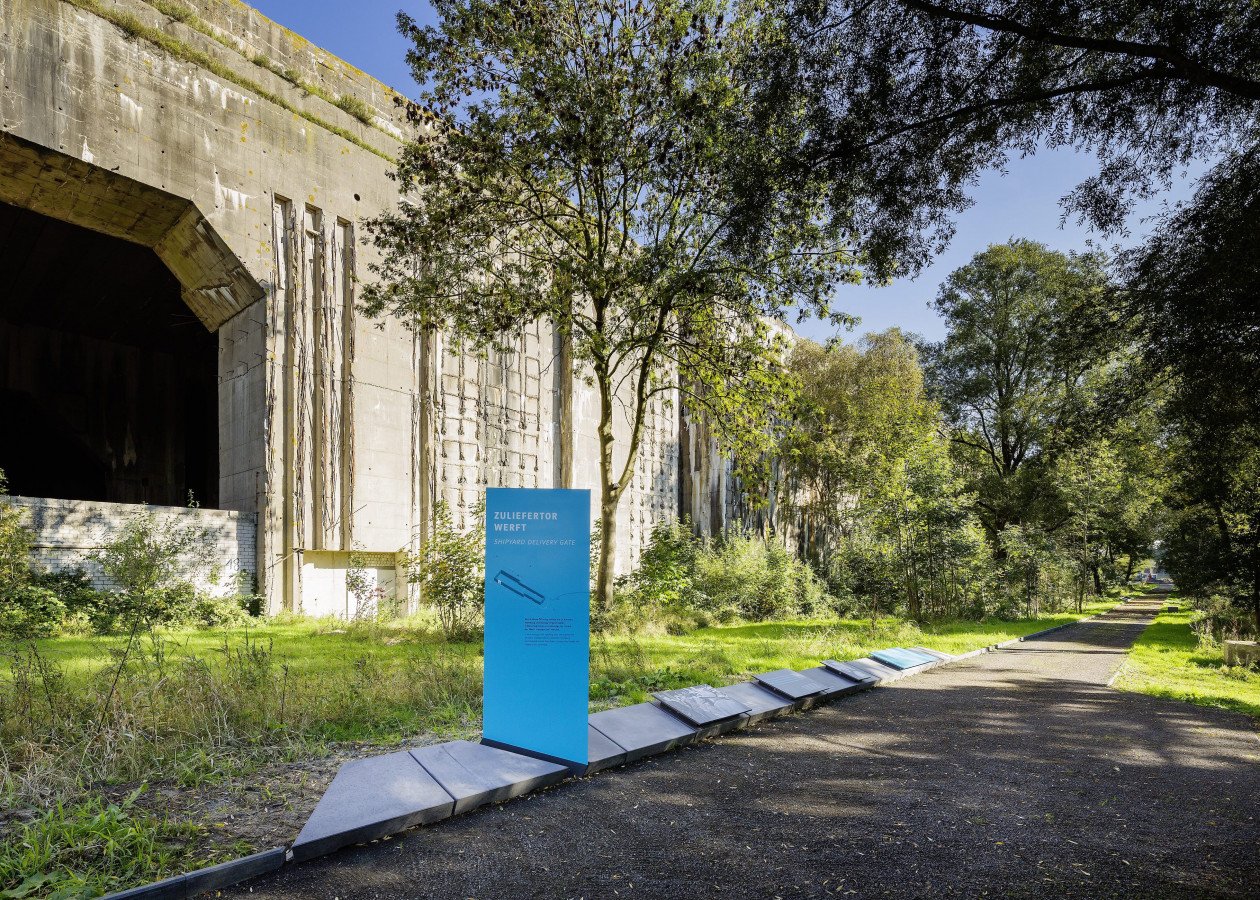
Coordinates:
<point>1013,774</point>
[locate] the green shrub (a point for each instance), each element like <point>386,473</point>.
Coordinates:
<point>29,611</point>
<point>683,582</point>
<point>15,540</point>
<point>449,570</point>
<point>1218,618</point>
<point>154,564</point>
<point>757,580</point>
<point>74,589</point>
<point>662,587</point>
<point>220,612</point>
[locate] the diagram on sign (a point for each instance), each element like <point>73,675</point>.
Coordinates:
<point>507,580</point>
<point>515,585</point>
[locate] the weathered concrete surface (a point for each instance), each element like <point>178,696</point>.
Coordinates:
<point>224,153</point>
<point>1242,653</point>
<point>1013,774</point>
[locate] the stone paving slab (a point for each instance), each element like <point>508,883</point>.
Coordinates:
<point>701,705</point>
<point>370,798</point>
<point>643,729</point>
<point>791,685</point>
<point>762,703</point>
<point>476,774</point>
<point>601,751</point>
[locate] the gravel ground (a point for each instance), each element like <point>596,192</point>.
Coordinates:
<point>1013,774</point>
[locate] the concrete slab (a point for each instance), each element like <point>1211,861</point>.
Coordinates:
<point>643,729</point>
<point>901,659</point>
<point>832,685</point>
<point>789,684</point>
<point>602,752</point>
<point>851,672</point>
<point>476,774</point>
<point>370,798</point>
<point>762,703</point>
<point>701,705</point>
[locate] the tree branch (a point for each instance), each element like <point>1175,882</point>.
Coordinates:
<point>1191,69</point>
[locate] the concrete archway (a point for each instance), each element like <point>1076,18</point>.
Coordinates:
<point>109,323</point>
<point>215,284</point>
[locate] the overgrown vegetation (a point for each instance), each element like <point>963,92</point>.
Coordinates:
<point>449,571</point>
<point>90,848</point>
<point>684,582</point>
<point>354,106</point>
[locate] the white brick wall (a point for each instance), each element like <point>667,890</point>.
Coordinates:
<point>67,530</point>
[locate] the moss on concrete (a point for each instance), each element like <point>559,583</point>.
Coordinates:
<point>133,27</point>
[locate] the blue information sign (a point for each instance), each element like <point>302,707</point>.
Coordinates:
<point>538,628</point>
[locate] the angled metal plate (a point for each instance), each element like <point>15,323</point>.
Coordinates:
<point>643,729</point>
<point>853,673</point>
<point>935,654</point>
<point>789,683</point>
<point>701,705</point>
<point>476,774</point>
<point>901,659</point>
<point>832,685</point>
<point>370,798</point>
<point>762,703</point>
<point>877,670</point>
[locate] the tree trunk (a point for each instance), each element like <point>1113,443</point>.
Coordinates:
<point>608,497</point>
<point>1097,579</point>
<point>607,550</point>
<point>1255,600</point>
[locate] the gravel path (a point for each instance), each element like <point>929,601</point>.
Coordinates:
<point>1012,774</point>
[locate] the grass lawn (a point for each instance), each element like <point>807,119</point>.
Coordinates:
<point>234,714</point>
<point>1167,661</point>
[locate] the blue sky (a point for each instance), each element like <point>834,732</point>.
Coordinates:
<point>1022,201</point>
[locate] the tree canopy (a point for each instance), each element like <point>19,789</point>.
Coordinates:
<point>899,105</point>
<point>1015,375</point>
<point>568,166</point>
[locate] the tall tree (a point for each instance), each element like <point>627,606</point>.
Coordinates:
<point>1015,375</point>
<point>1194,294</point>
<point>879,503</point>
<point>858,406</point>
<point>567,167</point>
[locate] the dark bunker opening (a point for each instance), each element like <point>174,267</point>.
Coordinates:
<point>108,382</point>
